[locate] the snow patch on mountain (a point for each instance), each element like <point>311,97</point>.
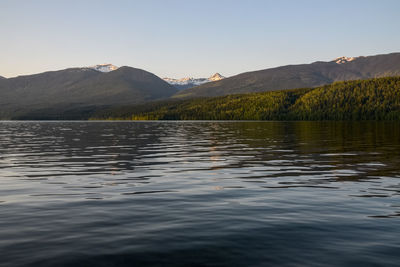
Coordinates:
<point>104,67</point>
<point>216,77</point>
<point>191,82</point>
<point>342,60</point>
<point>187,80</point>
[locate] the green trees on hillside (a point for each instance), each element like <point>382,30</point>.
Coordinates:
<point>373,99</point>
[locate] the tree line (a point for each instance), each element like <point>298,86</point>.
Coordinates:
<point>372,99</point>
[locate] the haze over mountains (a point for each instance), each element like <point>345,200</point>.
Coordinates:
<point>304,75</point>
<point>73,92</point>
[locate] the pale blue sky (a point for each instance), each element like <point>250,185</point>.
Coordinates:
<point>191,38</point>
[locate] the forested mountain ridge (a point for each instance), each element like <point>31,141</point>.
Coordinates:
<point>78,93</point>
<point>298,76</point>
<point>373,99</point>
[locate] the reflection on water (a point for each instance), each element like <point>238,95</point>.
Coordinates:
<point>199,193</point>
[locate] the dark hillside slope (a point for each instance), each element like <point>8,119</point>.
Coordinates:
<point>299,76</point>
<point>79,88</point>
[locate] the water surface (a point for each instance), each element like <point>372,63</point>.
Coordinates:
<point>199,193</point>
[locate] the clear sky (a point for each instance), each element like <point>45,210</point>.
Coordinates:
<point>178,38</point>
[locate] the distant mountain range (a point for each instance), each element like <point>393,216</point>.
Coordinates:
<point>79,89</point>
<point>298,76</point>
<point>76,92</point>
<point>190,82</point>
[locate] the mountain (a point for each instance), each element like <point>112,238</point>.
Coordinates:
<point>216,77</point>
<point>1,78</point>
<point>190,82</point>
<point>56,93</point>
<point>298,76</point>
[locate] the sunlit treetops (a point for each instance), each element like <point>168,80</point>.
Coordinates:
<point>373,99</point>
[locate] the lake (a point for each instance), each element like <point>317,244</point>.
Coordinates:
<point>199,193</point>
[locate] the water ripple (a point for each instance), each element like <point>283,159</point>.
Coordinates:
<point>165,187</point>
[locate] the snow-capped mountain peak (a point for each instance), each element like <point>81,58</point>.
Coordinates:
<point>186,80</point>
<point>341,60</point>
<point>189,82</point>
<point>104,67</point>
<point>216,77</point>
